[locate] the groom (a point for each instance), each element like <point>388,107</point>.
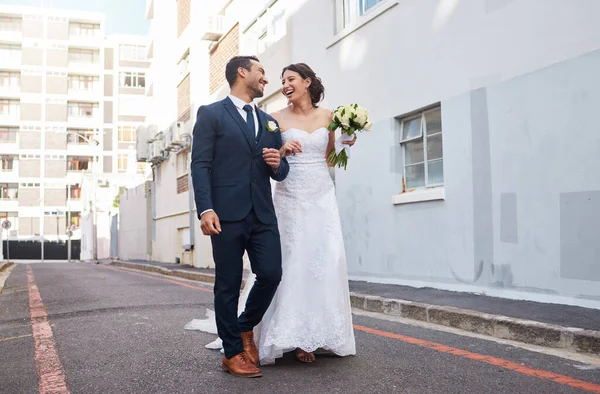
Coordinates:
<point>235,151</point>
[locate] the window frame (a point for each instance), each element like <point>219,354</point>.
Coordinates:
<point>122,158</point>
<point>135,78</point>
<point>352,11</point>
<point>121,131</point>
<point>133,52</point>
<point>422,113</point>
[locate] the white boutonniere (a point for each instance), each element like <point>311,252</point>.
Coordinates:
<point>272,126</point>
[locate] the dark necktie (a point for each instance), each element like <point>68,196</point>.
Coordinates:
<point>250,120</point>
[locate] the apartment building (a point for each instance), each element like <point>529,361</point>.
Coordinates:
<point>71,100</point>
<point>478,174</point>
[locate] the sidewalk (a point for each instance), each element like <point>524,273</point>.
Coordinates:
<point>551,325</point>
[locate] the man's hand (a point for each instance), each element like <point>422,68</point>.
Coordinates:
<point>210,224</point>
<point>272,158</point>
<point>290,148</point>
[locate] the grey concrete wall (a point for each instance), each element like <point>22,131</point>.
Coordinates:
<point>522,194</point>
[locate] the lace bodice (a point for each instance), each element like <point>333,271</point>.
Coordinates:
<point>314,145</point>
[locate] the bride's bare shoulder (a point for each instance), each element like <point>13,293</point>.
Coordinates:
<point>280,115</point>
<point>325,113</point>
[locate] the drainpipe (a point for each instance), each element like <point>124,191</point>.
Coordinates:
<point>191,207</point>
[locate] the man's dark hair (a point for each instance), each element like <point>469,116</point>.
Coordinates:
<point>235,63</point>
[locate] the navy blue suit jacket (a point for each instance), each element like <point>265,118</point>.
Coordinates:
<point>229,174</point>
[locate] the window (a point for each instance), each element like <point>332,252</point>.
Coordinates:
<point>86,83</point>
<point>9,191</point>
<point>9,107</point>
<point>84,56</point>
<point>8,135</point>
<point>9,79</point>
<point>422,149</point>
<point>78,164</point>
<point>132,80</point>
<point>75,218</point>
<point>127,134</point>
<point>75,192</point>
<point>10,53</point>
<point>84,29</point>
<point>81,136</point>
<point>182,163</point>
<point>122,162</point>
<point>354,9</point>
<point>6,163</point>
<point>132,52</point>
<point>8,23</point>
<point>82,110</point>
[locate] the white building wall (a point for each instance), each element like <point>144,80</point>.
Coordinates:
<point>517,216</point>
<point>507,222</point>
<point>134,224</point>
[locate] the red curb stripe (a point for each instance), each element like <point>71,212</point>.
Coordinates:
<point>498,362</point>
<point>509,365</point>
<point>49,368</point>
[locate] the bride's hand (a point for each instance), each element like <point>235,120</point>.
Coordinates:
<point>351,142</point>
<point>290,148</point>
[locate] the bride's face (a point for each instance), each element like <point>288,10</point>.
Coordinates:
<point>294,87</point>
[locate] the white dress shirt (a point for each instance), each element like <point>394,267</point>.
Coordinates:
<point>239,104</point>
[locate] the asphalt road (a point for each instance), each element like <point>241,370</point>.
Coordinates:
<point>120,331</point>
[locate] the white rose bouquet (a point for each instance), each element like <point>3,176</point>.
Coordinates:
<point>351,119</point>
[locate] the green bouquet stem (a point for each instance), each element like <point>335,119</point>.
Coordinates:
<point>340,160</point>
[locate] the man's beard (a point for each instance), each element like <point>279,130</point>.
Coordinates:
<point>256,91</point>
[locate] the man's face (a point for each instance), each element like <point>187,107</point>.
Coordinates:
<point>256,80</point>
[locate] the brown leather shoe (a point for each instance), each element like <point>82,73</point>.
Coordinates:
<point>250,347</point>
<point>239,365</point>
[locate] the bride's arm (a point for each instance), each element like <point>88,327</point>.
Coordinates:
<point>331,144</point>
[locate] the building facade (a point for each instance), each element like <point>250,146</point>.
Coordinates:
<point>478,174</point>
<point>71,101</point>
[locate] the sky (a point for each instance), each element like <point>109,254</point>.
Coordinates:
<point>119,20</point>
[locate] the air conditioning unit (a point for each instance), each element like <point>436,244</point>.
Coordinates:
<point>141,144</point>
<point>152,133</point>
<point>214,28</point>
<point>168,139</point>
<point>157,151</point>
<point>180,137</point>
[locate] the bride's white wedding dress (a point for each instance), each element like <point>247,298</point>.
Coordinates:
<point>311,309</point>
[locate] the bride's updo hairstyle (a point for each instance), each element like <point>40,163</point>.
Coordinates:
<point>316,88</point>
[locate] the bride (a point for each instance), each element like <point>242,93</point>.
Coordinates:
<point>311,309</point>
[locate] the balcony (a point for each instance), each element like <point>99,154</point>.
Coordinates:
<point>9,140</point>
<point>11,29</point>
<point>10,113</point>
<point>9,197</point>
<point>84,61</point>
<point>74,202</point>
<point>213,27</point>
<point>82,143</point>
<point>84,89</point>
<point>9,169</point>
<point>10,58</point>
<point>83,114</point>
<point>87,35</point>
<point>11,89</point>
<point>79,165</point>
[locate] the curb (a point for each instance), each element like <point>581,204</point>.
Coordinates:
<point>5,266</point>
<point>526,331</point>
<point>197,276</point>
<point>520,330</point>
